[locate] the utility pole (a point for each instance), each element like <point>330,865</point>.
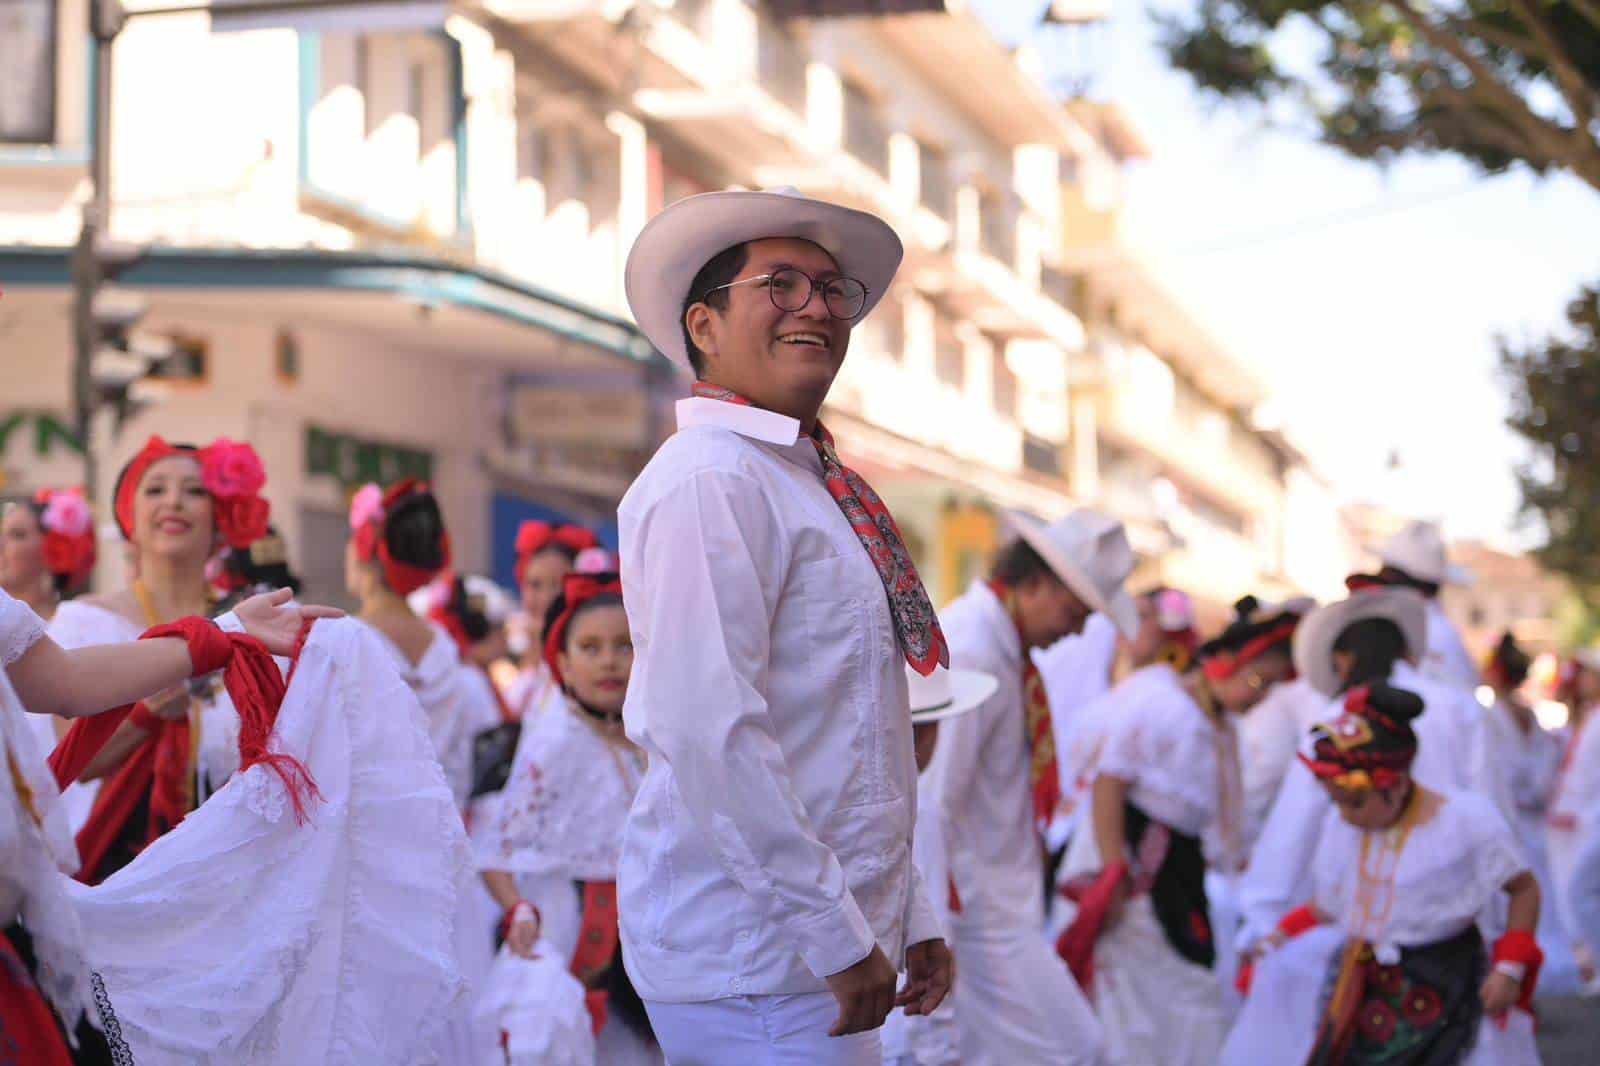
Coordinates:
<point>105,22</point>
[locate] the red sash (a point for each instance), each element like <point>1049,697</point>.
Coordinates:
<point>597,945</point>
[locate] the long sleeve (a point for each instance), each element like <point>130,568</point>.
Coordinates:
<point>954,774</point>
<point>1279,878</point>
<point>922,921</point>
<point>713,552</point>
<point>1584,889</point>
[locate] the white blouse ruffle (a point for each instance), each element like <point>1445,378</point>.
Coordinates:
<point>1165,747</point>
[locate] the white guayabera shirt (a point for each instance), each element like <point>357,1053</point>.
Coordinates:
<point>770,843</point>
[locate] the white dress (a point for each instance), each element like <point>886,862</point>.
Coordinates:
<point>36,846</point>
<point>243,936</point>
<point>79,625</point>
<point>1179,771</point>
<point>1575,800</point>
<point>1411,890</point>
<point>560,821</point>
<point>456,707</point>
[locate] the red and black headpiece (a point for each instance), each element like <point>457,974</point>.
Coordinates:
<point>577,592</point>
<point>402,529</point>
<point>1371,743</point>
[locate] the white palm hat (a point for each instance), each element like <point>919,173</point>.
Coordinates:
<point>1419,550</point>
<point>1315,636</point>
<point>677,243</point>
<point>947,693</point>
<point>1090,552</point>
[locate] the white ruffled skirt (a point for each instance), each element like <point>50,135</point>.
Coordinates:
<point>242,936</point>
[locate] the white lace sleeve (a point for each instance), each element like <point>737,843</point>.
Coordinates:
<point>20,628</point>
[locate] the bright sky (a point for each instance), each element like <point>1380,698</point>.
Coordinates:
<point>1368,298</point>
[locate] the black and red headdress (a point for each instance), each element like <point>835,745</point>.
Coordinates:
<point>1371,744</point>
<point>1256,630</point>
<point>534,537</point>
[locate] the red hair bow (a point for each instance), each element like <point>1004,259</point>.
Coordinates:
<point>576,590</point>
<point>370,544</point>
<point>534,537</point>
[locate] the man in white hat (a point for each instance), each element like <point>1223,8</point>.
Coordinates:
<point>767,891</point>
<point>998,785</point>
<point>1416,557</point>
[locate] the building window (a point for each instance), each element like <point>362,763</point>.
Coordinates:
<point>865,135</point>
<point>781,64</point>
<point>417,104</point>
<point>28,71</point>
<point>364,83</point>
<point>286,356</point>
<point>997,226</point>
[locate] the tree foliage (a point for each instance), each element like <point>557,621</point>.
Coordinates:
<point>1494,81</point>
<point>1556,409</point>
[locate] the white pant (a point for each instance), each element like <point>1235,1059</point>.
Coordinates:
<point>760,1031</point>
<point>1017,1003</point>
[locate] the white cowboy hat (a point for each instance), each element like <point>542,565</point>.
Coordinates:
<point>1419,550</point>
<point>947,693</point>
<point>674,245</point>
<point>1315,636</point>
<point>1090,552</point>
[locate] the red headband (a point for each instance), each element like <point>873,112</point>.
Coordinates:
<point>367,520</point>
<point>231,472</point>
<point>535,537</point>
<point>68,529</point>
<point>576,590</point>
<point>1223,665</point>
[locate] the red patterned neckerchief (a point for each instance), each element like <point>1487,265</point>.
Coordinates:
<point>1044,779</point>
<point>915,622</point>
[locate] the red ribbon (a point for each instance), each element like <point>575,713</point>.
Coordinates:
<point>1223,665</point>
<point>240,518</point>
<point>1520,946</point>
<point>402,578</point>
<point>1076,944</point>
<point>160,765</point>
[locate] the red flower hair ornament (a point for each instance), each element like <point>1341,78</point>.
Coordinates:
<point>68,528</point>
<point>535,537</point>
<point>231,472</point>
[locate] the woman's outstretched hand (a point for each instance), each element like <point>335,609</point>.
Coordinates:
<point>271,620</point>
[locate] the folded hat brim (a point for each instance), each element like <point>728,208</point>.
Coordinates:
<point>1120,608</point>
<point>968,691</point>
<point>678,242</point>
<point>1315,636</point>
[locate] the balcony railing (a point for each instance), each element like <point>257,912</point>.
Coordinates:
<point>866,135</point>
<point>1005,384</point>
<point>949,357</point>
<point>781,65</point>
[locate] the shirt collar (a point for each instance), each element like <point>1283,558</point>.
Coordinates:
<point>754,422</point>
<point>1001,622</point>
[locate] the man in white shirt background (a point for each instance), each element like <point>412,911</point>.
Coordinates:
<point>1416,557</point>
<point>767,891</point>
<point>996,778</point>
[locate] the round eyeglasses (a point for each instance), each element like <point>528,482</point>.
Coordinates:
<point>791,289</point>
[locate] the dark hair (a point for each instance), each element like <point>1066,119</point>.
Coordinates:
<point>1377,644</point>
<point>60,582</point>
<point>559,607</point>
<point>1511,661</point>
<point>264,563</point>
<point>1017,562</point>
<point>1249,622</point>
<point>719,270</point>
<point>470,611</point>
<point>414,531</point>
<point>1396,577</point>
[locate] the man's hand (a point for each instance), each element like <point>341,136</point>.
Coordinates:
<point>266,618</point>
<point>865,993</point>
<point>930,969</point>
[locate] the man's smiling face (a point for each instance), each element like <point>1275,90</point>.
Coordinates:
<point>784,361</point>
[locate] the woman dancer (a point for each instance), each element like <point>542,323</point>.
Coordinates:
<point>177,506</point>
<point>550,858</point>
<point>42,955</point>
<point>1165,804</point>
<point>1398,974</point>
<point>47,552</point>
<point>546,554</point>
<point>47,549</point>
<point>1576,799</point>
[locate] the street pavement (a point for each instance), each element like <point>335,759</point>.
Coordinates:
<point>1569,1031</point>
